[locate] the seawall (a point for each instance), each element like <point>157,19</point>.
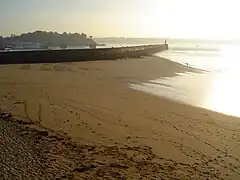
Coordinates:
<point>56,56</point>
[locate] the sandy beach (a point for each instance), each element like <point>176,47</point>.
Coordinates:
<point>82,121</point>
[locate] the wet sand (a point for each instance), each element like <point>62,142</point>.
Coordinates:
<point>120,133</point>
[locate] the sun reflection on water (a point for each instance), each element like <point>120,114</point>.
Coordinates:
<point>223,95</point>
<point>217,89</point>
<point>214,91</point>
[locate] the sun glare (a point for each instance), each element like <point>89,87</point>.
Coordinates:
<point>223,93</point>
<point>186,19</point>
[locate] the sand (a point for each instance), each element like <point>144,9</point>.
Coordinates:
<point>109,131</point>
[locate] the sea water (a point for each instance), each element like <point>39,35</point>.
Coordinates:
<point>216,88</point>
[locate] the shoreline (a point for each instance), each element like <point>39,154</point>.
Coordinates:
<point>149,136</point>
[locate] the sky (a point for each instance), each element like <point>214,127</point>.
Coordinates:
<point>208,19</point>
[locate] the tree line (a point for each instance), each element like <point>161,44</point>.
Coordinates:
<point>51,38</point>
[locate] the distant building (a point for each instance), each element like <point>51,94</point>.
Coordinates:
<point>63,46</point>
<point>93,46</point>
<point>24,45</point>
<point>33,46</point>
<point>1,43</point>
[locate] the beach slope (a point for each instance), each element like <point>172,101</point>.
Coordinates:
<point>95,127</point>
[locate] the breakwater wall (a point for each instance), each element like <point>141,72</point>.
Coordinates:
<point>75,55</point>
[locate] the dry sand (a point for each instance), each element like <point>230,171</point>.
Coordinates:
<point>102,129</point>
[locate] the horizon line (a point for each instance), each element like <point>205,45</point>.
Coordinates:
<point>133,37</point>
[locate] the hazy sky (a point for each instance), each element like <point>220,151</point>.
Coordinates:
<point>125,18</point>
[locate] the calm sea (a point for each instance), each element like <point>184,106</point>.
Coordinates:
<point>217,88</point>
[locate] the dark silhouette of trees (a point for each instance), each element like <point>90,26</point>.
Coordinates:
<point>52,38</point>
